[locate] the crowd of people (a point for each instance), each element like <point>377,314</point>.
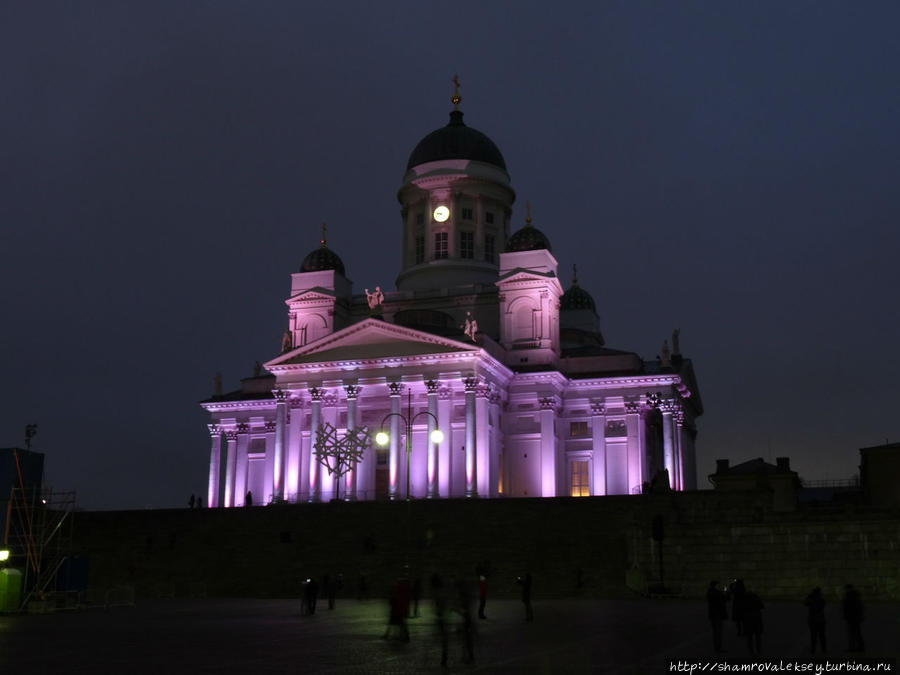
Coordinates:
<point>747,615</point>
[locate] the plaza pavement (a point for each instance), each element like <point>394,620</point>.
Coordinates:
<point>250,636</point>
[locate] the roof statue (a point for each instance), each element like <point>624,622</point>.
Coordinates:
<point>471,326</point>
<point>666,359</point>
<point>374,298</point>
<point>286,341</point>
<point>676,346</point>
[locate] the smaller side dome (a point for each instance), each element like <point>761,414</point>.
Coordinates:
<point>322,258</point>
<point>577,298</point>
<point>529,238</point>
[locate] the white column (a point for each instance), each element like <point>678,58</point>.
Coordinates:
<point>445,449</point>
<point>668,445</point>
<point>231,460</point>
<point>548,446</point>
<point>431,479</point>
<point>215,451</point>
<point>483,443</point>
<point>240,471</point>
<point>350,477</point>
<point>278,457</point>
<point>315,421</point>
<point>678,419</point>
<point>598,429</point>
<point>471,478</point>
<point>394,458</point>
<point>293,463</point>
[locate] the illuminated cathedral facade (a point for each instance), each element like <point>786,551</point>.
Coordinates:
<point>480,340</point>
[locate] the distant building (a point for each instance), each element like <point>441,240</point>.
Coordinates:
<point>481,334</point>
<point>757,474</point>
<point>879,473</point>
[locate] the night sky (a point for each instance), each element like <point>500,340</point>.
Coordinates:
<point>725,168</point>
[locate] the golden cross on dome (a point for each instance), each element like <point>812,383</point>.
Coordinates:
<point>322,240</point>
<point>527,214</point>
<point>456,99</point>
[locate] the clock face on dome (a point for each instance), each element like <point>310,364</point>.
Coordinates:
<point>441,214</point>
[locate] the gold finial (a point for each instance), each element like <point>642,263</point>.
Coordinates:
<point>322,240</point>
<point>574,274</point>
<point>527,214</point>
<point>456,99</point>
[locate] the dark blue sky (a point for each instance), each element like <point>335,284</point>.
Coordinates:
<point>729,169</point>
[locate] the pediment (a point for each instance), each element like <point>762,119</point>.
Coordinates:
<point>524,274</point>
<point>371,339</point>
<point>317,293</point>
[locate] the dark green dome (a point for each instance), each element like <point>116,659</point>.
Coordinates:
<point>577,298</point>
<point>456,141</point>
<point>529,238</point>
<point>323,258</point>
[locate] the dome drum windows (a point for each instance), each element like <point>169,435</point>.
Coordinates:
<point>466,244</point>
<point>441,245</point>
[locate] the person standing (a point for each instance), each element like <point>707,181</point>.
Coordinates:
<point>717,608</point>
<point>525,583</point>
<point>753,623</point>
<point>482,596</point>
<point>815,605</point>
<point>853,615</point>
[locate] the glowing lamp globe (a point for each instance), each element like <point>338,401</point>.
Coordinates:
<point>4,555</point>
<point>381,438</point>
<point>437,436</point>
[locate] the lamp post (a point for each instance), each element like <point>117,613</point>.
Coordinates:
<point>382,437</point>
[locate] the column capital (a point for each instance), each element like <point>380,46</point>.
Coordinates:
<point>315,394</point>
<point>653,399</point>
<point>445,393</point>
<point>270,425</point>
<point>395,387</point>
<point>432,386</point>
<point>670,405</point>
<point>471,384</point>
<point>598,408</point>
<point>352,391</point>
<point>550,403</point>
<point>296,402</point>
<point>280,395</point>
<point>243,428</point>
<point>231,435</point>
<point>214,429</point>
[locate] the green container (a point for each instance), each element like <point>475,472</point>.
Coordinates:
<point>10,590</point>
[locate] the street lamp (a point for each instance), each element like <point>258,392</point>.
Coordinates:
<point>382,437</point>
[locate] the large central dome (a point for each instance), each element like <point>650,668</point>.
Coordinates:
<point>456,141</point>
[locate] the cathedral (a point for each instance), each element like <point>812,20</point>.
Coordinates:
<point>479,341</point>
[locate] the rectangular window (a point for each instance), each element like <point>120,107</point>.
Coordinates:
<point>581,486</point>
<point>420,250</point>
<point>467,214</point>
<point>440,245</point>
<point>489,217</point>
<point>489,248</point>
<point>578,430</point>
<point>420,219</point>
<point>381,456</point>
<point>466,244</point>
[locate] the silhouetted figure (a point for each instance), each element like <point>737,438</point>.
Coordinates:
<point>737,591</point>
<point>310,594</point>
<point>330,586</point>
<point>753,622</point>
<point>399,602</point>
<point>482,596</point>
<point>416,594</point>
<point>439,596</point>
<point>199,502</point>
<point>248,498</point>
<point>525,583</point>
<point>853,615</point>
<point>464,609</point>
<point>717,606</point>
<point>815,606</point>
<point>191,501</point>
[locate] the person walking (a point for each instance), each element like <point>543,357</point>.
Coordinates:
<point>815,606</point>
<point>853,615</point>
<point>753,623</point>
<point>717,609</point>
